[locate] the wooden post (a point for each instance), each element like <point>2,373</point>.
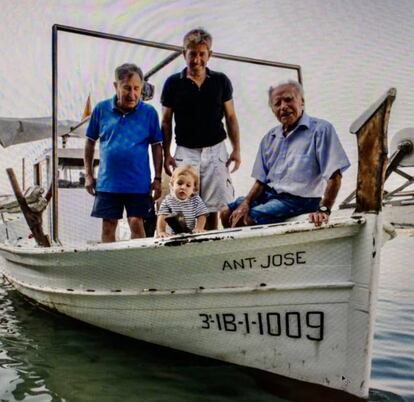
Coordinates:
<point>23,174</point>
<point>33,219</point>
<point>371,130</point>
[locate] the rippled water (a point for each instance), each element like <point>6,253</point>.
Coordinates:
<point>393,362</point>
<point>48,357</point>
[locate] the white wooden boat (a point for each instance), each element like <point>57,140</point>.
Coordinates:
<point>291,300</point>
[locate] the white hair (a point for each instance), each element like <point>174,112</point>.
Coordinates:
<point>292,83</point>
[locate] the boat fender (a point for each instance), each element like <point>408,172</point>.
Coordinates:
<point>389,230</point>
<point>404,138</point>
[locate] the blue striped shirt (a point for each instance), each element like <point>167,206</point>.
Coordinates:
<point>191,208</point>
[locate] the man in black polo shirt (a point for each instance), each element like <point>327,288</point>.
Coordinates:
<point>199,98</point>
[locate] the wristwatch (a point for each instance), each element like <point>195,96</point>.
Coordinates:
<point>324,209</point>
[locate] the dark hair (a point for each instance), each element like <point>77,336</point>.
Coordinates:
<point>126,70</point>
<point>196,37</point>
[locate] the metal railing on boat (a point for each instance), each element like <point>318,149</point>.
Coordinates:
<point>125,39</point>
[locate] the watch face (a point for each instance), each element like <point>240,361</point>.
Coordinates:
<point>324,209</point>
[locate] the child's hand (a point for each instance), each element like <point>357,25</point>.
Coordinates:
<point>162,234</point>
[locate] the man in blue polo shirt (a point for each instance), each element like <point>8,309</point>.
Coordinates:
<point>298,168</point>
<point>125,127</point>
<point>199,98</point>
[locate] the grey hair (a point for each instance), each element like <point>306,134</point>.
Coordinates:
<point>198,36</point>
<point>292,83</point>
<point>126,70</point>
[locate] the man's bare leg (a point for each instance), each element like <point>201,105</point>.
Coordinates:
<point>136,224</point>
<point>225,217</point>
<point>212,221</point>
<point>109,230</point>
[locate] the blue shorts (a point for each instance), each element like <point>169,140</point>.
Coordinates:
<point>272,207</point>
<point>111,205</point>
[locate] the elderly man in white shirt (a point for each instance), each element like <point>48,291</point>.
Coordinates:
<point>298,168</point>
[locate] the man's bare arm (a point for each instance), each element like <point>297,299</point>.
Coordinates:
<point>233,132</point>
<point>157,161</point>
<point>166,127</point>
<point>332,188</point>
<point>88,161</point>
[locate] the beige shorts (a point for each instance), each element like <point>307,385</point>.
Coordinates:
<point>216,188</point>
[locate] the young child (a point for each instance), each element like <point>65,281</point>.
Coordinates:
<point>184,200</point>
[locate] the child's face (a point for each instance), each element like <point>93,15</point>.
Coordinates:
<point>183,187</point>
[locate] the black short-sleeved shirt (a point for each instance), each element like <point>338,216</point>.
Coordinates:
<point>198,112</point>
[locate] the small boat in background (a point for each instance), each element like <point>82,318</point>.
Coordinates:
<point>76,225</point>
<point>15,131</point>
<point>74,201</point>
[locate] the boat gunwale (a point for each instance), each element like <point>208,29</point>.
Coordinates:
<point>284,228</point>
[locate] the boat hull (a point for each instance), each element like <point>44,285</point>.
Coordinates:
<point>288,299</point>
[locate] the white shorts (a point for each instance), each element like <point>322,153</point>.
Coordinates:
<point>216,188</point>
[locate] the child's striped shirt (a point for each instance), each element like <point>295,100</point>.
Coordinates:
<point>191,208</point>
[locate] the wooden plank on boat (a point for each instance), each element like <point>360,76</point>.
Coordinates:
<point>371,130</point>
<point>33,219</point>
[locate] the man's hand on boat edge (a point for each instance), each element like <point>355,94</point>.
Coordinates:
<point>318,218</point>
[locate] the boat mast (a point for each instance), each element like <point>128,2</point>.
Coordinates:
<point>55,206</point>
